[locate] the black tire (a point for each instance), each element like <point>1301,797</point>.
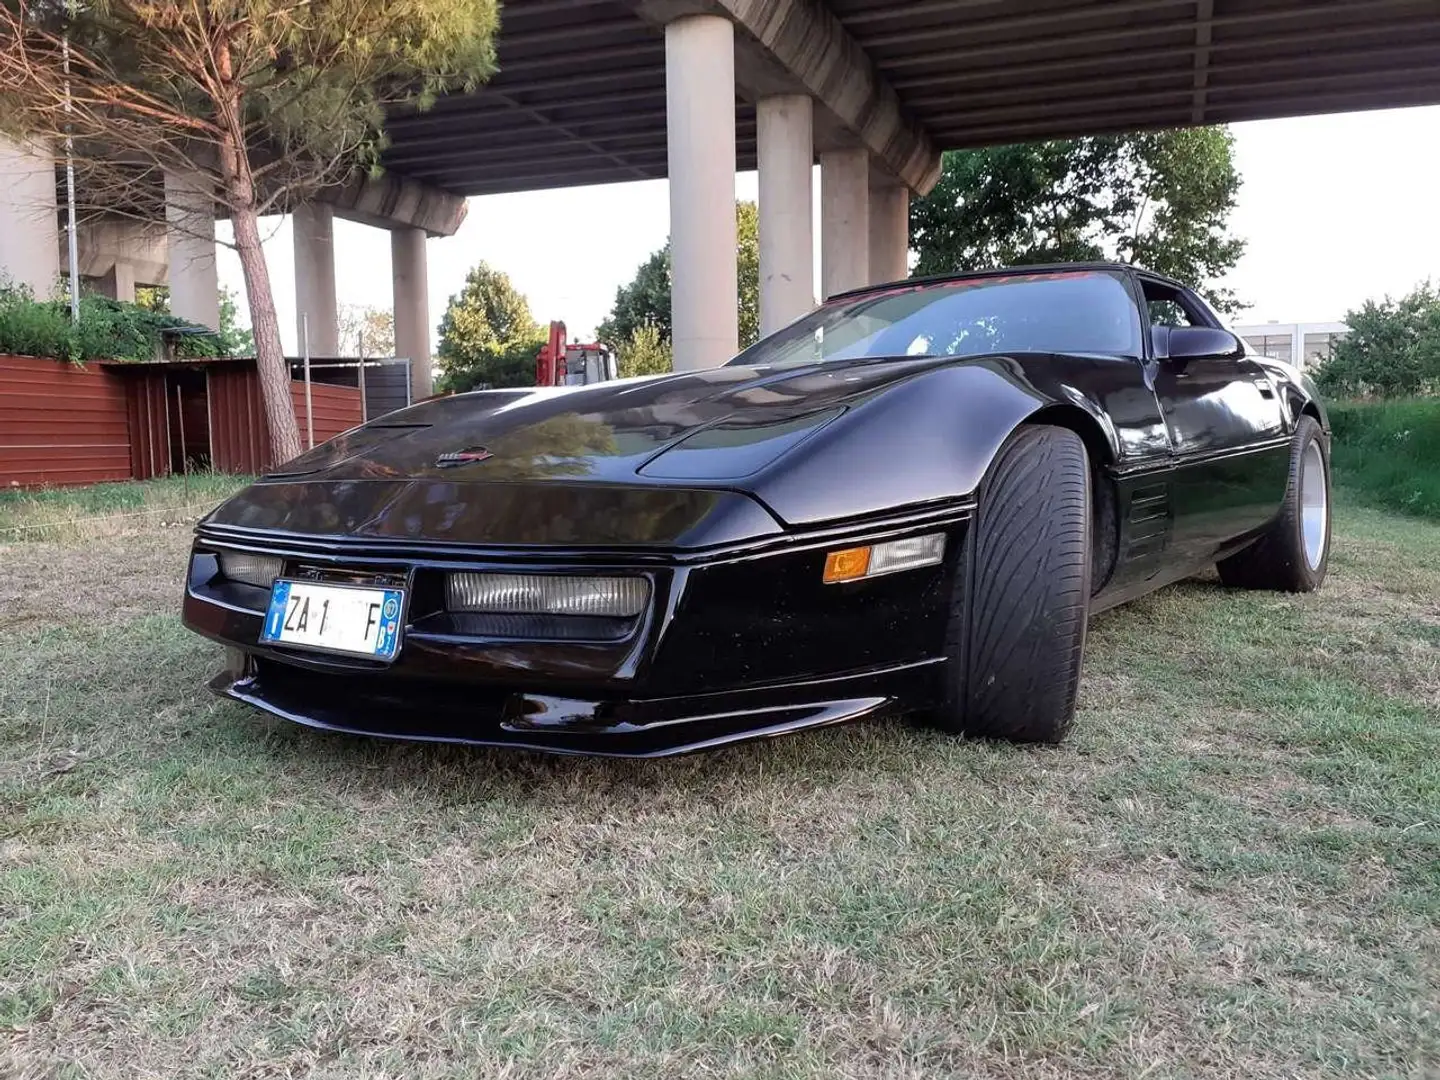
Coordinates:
<point>1016,635</point>
<point>1279,560</point>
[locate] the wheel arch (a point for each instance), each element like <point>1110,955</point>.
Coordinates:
<point>1105,515</point>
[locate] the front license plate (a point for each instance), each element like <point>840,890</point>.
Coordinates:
<point>336,618</point>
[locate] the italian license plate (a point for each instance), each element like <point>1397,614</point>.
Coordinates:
<point>337,618</point>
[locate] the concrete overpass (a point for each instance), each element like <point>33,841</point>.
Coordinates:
<point>602,91</point>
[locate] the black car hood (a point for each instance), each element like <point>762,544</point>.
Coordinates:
<point>605,433</point>
<point>687,459</point>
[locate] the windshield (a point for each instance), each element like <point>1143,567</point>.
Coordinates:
<point>1074,312</point>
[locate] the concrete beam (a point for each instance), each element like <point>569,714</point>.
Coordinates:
<point>107,241</point>
<point>391,201</point>
<point>29,221</point>
<point>800,47</point>
<point>118,283</point>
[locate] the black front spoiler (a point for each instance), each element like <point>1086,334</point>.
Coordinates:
<point>399,709</point>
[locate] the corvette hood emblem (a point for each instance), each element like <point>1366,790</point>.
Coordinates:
<point>469,456</point>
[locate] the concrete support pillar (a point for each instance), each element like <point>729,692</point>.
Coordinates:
<point>118,282</point>
<point>700,135</point>
<point>190,249</point>
<point>313,227</point>
<point>844,220</point>
<point>412,307</point>
<point>785,149</point>
<point>889,233</point>
<point>29,218</point>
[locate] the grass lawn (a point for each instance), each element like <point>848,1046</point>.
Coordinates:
<point>107,509</point>
<point>1231,869</point>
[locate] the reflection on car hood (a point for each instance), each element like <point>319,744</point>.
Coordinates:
<point>723,423</point>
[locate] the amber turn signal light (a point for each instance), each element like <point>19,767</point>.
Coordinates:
<point>852,564</point>
<point>848,565</point>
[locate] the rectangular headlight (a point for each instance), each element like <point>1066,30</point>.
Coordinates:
<point>854,564</point>
<point>258,570</point>
<point>547,594</point>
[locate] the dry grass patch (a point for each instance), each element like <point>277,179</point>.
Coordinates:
<point>1232,868</point>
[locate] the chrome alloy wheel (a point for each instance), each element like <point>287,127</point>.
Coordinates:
<point>1314,505</point>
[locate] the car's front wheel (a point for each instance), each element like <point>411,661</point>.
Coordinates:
<point>1294,553</point>
<point>1022,595</point>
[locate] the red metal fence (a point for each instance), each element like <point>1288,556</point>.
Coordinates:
<point>61,424</point>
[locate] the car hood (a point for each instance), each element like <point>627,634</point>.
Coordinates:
<point>737,419</point>
<point>687,459</point>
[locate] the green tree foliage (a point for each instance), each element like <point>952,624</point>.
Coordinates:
<point>643,302</point>
<point>488,337</point>
<point>747,256</point>
<point>644,352</point>
<point>1161,199</point>
<point>235,339</point>
<point>646,300</point>
<point>1392,350</point>
<point>261,104</point>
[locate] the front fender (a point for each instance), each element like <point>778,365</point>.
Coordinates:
<point>928,439</point>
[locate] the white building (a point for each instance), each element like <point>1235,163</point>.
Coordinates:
<point>1311,343</point>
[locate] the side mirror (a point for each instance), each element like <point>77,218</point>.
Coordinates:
<point>1196,343</point>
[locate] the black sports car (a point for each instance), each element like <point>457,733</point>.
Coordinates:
<point>909,500</point>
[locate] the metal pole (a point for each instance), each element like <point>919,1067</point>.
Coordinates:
<point>364,405</point>
<point>309,405</point>
<point>72,241</point>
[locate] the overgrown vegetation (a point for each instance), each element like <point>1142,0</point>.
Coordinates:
<point>1392,349</point>
<point>107,330</point>
<point>1388,453</point>
<point>1232,869</point>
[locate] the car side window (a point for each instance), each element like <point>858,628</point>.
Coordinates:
<point>1167,307</point>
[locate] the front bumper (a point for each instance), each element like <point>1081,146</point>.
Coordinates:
<point>621,728</point>
<point>737,644</point>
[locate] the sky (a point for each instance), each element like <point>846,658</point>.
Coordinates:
<point>1334,210</point>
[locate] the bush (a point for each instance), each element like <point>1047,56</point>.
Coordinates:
<point>1388,452</point>
<point>107,330</point>
<point>1392,350</point>
<point>644,352</point>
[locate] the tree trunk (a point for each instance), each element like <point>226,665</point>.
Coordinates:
<point>265,325</point>
<point>269,354</point>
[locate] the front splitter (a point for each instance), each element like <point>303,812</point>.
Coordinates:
<point>562,725</point>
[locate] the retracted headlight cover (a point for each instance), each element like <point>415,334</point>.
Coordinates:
<point>735,447</point>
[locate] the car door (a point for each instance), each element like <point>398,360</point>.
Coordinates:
<point>1229,434</point>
